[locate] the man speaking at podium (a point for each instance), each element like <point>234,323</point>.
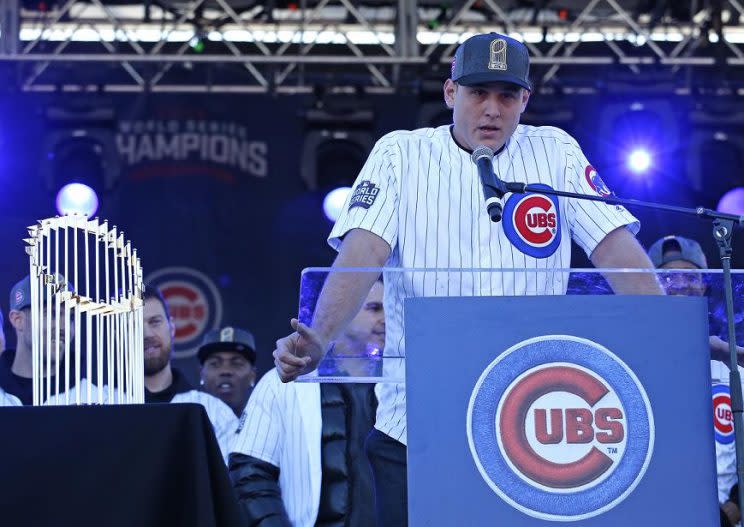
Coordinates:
<point>419,202</point>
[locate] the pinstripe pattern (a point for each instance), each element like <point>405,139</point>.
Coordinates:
<point>431,212</point>
<point>283,427</point>
<point>725,454</point>
<point>224,421</point>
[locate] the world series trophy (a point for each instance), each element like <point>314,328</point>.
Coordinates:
<point>86,278</point>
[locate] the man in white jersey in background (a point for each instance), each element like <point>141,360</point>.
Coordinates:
<point>677,252</point>
<point>165,384</point>
<point>299,460</point>
<point>418,203</point>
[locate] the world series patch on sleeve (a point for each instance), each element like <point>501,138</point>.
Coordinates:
<point>364,195</point>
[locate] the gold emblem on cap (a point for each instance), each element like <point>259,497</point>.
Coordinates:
<point>497,59</point>
<point>227,334</point>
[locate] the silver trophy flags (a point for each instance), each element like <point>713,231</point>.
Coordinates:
<point>86,313</point>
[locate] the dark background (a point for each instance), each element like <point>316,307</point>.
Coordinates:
<point>252,231</point>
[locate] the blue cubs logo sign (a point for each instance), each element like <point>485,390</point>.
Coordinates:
<point>532,223</point>
<point>195,305</point>
<point>560,428</point>
<point>723,418</point>
<point>595,182</point>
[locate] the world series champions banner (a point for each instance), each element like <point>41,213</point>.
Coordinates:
<point>208,187</point>
<point>589,410</point>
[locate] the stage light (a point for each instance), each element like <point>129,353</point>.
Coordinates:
<point>338,138</point>
<point>197,42</point>
<point>639,160</point>
<point>637,143</point>
<point>81,163</point>
<point>334,202</point>
<point>732,202</point>
<point>77,198</point>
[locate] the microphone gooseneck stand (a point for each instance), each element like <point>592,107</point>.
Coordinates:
<point>723,227</point>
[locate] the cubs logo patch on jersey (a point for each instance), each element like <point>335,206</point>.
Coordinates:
<point>723,418</point>
<point>560,428</point>
<point>595,182</point>
<point>532,223</point>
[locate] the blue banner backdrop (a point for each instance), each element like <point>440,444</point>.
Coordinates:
<point>210,185</point>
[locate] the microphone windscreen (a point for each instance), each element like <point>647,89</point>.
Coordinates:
<point>480,152</point>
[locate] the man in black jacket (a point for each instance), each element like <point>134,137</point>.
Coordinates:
<point>299,459</point>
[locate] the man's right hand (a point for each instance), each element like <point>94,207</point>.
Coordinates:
<point>299,352</point>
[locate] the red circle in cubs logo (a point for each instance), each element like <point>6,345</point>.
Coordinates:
<point>560,428</point>
<point>194,303</point>
<point>535,219</point>
<point>532,223</point>
<point>723,423</point>
<point>565,427</point>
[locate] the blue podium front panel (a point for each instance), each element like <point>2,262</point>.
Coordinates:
<point>593,410</point>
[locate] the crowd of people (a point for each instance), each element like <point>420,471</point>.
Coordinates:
<point>333,454</point>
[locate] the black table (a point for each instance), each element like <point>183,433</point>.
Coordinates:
<point>129,466</point>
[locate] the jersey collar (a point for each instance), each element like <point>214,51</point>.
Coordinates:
<point>452,135</point>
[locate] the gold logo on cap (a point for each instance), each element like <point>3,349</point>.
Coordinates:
<point>497,60</point>
<point>227,335</point>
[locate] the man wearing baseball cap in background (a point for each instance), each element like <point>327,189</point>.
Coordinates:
<point>680,253</point>
<point>228,366</point>
<point>677,252</point>
<point>16,364</point>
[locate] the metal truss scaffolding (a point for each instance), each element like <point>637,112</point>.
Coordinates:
<point>291,46</point>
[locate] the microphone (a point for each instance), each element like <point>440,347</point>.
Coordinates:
<point>493,188</point>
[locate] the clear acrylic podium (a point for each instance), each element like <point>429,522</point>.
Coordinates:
<point>543,397</point>
<point>369,364</point>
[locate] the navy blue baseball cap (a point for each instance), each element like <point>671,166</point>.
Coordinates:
<point>228,339</point>
<point>491,57</point>
<point>671,248</point>
<point>20,294</point>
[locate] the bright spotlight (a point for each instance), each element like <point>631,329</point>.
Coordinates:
<point>639,160</point>
<point>77,198</point>
<point>334,202</point>
<point>732,202</point>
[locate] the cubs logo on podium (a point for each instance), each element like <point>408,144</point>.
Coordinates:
<point>532,223</point>
<point>195,305</point>
<point>723,418</point>
<point>569,437</point>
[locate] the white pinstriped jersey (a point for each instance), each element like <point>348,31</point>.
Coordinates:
<point>223,419</point>
<point>725,451</point>
<point>283,426</point>
<point>420,192</point>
